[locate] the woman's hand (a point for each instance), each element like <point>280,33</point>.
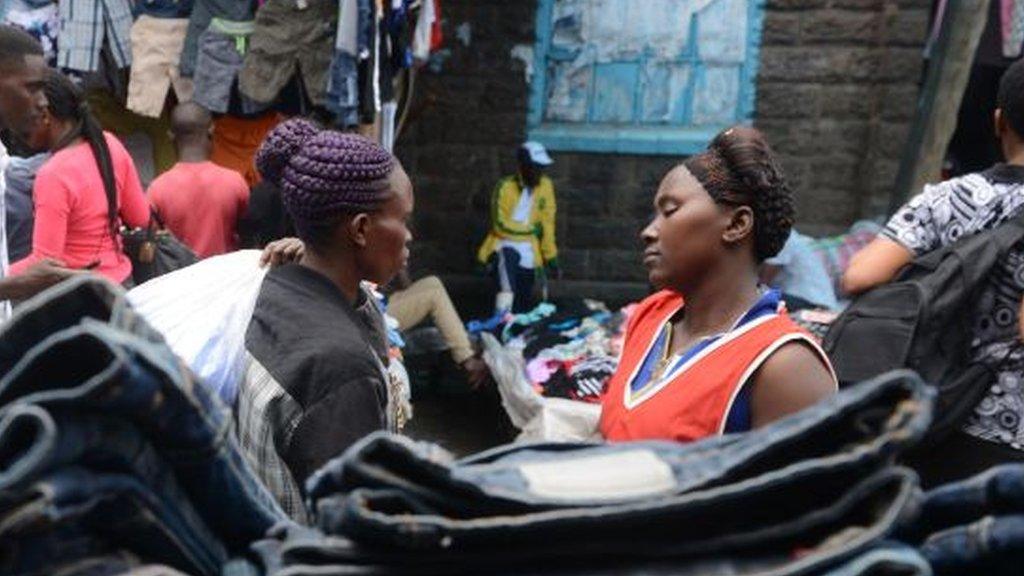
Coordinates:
<point>283,251</point>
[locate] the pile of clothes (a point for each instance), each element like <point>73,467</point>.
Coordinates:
<point>818,493</point>
<point>570,349</point>
<point>113,459</point>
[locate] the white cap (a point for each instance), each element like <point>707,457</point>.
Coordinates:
<point>538,154</point>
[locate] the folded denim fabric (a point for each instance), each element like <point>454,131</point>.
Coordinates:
<point>65,305</point>
<point>79,347</point>
<point>119,508</point>
<point>43,551</point>
<point>807,532</point>
<point>861,429</point>
<point>993,546</point>
<point>36,441</point>
<point>996,492</point>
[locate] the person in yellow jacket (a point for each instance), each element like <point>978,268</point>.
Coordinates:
<point>521,243</point>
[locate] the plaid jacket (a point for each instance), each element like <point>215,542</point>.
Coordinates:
<point>85,24</point>
<point>314,381</point>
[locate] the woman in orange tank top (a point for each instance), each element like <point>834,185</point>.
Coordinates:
<point>729,359</point>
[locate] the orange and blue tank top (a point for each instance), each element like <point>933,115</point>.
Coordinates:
<point>701,391</point>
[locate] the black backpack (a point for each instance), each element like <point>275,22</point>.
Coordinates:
<point>923,320</point>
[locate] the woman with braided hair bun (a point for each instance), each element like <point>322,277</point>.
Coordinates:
<point>315,376</point>
<point>729,359</point>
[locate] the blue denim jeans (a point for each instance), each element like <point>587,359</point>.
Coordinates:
<point>79,347</point>
<point>714,533</point>
<point>997,492</point>
<point>859,430</point>
<point>343,89</point>
<point>117,507</point>
<point>993,546</point>
<point>63,306</point>
<point>39,552</point>
<point>36,445</point>
<point>822,470</point>
<point>974,526</point>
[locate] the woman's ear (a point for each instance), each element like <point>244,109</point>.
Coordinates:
<point>358,229</point>
<point>740,226</point>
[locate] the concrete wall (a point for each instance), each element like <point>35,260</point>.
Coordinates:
<point>836,88</point>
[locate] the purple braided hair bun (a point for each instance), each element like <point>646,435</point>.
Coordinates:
<point>322,173</point>
<point>281,145</point>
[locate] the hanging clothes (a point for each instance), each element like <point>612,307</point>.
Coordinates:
<point>222,50</point>
<point>171,9</point>
<point>1012,18</point>
<point>157,44</point>
<point>422,36</point>
<point>203,12</point>
<point>86,25</point>
<point>40,18</point>
<point>355,22</point>
<point>291,37</point>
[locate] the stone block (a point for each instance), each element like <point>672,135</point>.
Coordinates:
<point>900,65</point>
<point>839,27</point>
<point>890,139</point>
<point>781,28</point>
<point>497,128</point>
<point>784,100</point>
<point>505,94</point>
<point>826,64</point>
<point>793,4</point>
<point>604,170</point>
<point>909,27</point>
<point>827,206</point>
<point>588,233</point>
<point>882,176</point>
<point>581,201</point>
<point>797,173</point>
<point>845,102</point>
<point>859,4</point>
<point>650,170</point>
<point>809,138</point>
<point>898,101</point>
<point>618,265</point>
<point>575,263</point>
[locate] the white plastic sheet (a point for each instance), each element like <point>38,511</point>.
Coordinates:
<point>538,417</point>
<point>203,312</point>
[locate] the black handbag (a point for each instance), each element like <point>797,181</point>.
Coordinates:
<point>154,251</point>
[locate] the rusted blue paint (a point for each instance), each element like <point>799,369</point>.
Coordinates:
<point>618,75</point>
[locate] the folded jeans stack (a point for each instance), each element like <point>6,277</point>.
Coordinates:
<point>803,496</point>
<point>973,527</point>
<point>110,450</point>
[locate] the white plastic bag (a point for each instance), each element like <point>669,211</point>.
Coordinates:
<point>539,418</point>
<point>203,312</point>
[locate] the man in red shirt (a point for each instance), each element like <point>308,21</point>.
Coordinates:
<point>199,201</point>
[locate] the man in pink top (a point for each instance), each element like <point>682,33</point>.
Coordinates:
<point>199,202</point>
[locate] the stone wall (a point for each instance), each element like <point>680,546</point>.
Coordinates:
<point>836,88</point>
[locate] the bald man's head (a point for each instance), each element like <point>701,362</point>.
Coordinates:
<point>190,126</point>
<point>189,120</point>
